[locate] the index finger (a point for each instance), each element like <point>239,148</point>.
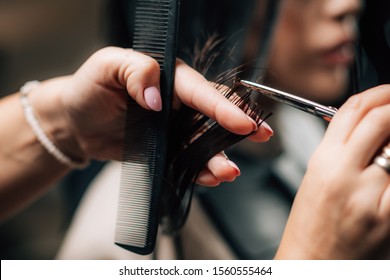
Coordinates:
<point>354,110</point>
<point>196,92</point>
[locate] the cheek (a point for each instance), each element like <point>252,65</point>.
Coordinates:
<point>287,62</point>
<point>286,54</point>
<point>289,46</point>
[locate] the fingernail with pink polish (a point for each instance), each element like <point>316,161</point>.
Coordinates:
<point>254,124</point>
<point>153,98</point>
<point>232,164</point>
<point>267,127</point>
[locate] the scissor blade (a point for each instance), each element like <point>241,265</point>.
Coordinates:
<point>297,102</point>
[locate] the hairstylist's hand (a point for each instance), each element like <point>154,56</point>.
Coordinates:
<point>342,209</point>
<point>95,105</point>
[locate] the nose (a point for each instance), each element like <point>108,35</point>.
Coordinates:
<point>340,9</point>
<point>344,13</point>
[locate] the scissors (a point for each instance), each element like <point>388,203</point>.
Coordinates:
<point>311,107</point>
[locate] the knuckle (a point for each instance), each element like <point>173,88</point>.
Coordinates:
<point>194,100</point>
<point>384,88</point>
<point>198,98</point>
<point>355,101</point>
<point>150,66</point>
<point>377,116</point>
<point>106,51</point>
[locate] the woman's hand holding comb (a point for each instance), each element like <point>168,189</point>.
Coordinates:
<point>83,117</point>
<point>95,105</point>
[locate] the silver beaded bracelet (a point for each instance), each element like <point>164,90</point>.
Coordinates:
<point>38,131</point>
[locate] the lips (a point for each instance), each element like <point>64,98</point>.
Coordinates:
<point>343,55</point>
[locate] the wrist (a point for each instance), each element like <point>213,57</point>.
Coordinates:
<point>45,99</point>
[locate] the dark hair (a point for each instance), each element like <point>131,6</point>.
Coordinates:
<point>195,138</point>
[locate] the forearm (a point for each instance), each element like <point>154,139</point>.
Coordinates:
<point>27,169</point>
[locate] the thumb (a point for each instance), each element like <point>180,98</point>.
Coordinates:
<point>119,69</point>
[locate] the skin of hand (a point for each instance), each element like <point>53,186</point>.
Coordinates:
<point>342,209</point>
<point>84,115</point>
<point>94,105</point>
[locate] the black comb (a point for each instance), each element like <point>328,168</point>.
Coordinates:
<point>146,139</point>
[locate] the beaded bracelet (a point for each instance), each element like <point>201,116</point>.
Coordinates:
<point>38,131</point>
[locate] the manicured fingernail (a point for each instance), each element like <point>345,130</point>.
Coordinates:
<point>232,164</point>
<point>254,124</point>
<point>153,98</point>
<point>268,128</point>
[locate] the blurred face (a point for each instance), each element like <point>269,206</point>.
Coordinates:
<point>313,47</point>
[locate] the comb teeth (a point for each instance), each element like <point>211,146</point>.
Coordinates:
<point>145,146</point>
<point>133,227</point>
<point>132,223</point>
<point>151,28</point>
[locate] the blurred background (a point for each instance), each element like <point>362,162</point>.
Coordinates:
<point>41,39</point>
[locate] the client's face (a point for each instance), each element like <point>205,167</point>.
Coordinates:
<point>313,47</point>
